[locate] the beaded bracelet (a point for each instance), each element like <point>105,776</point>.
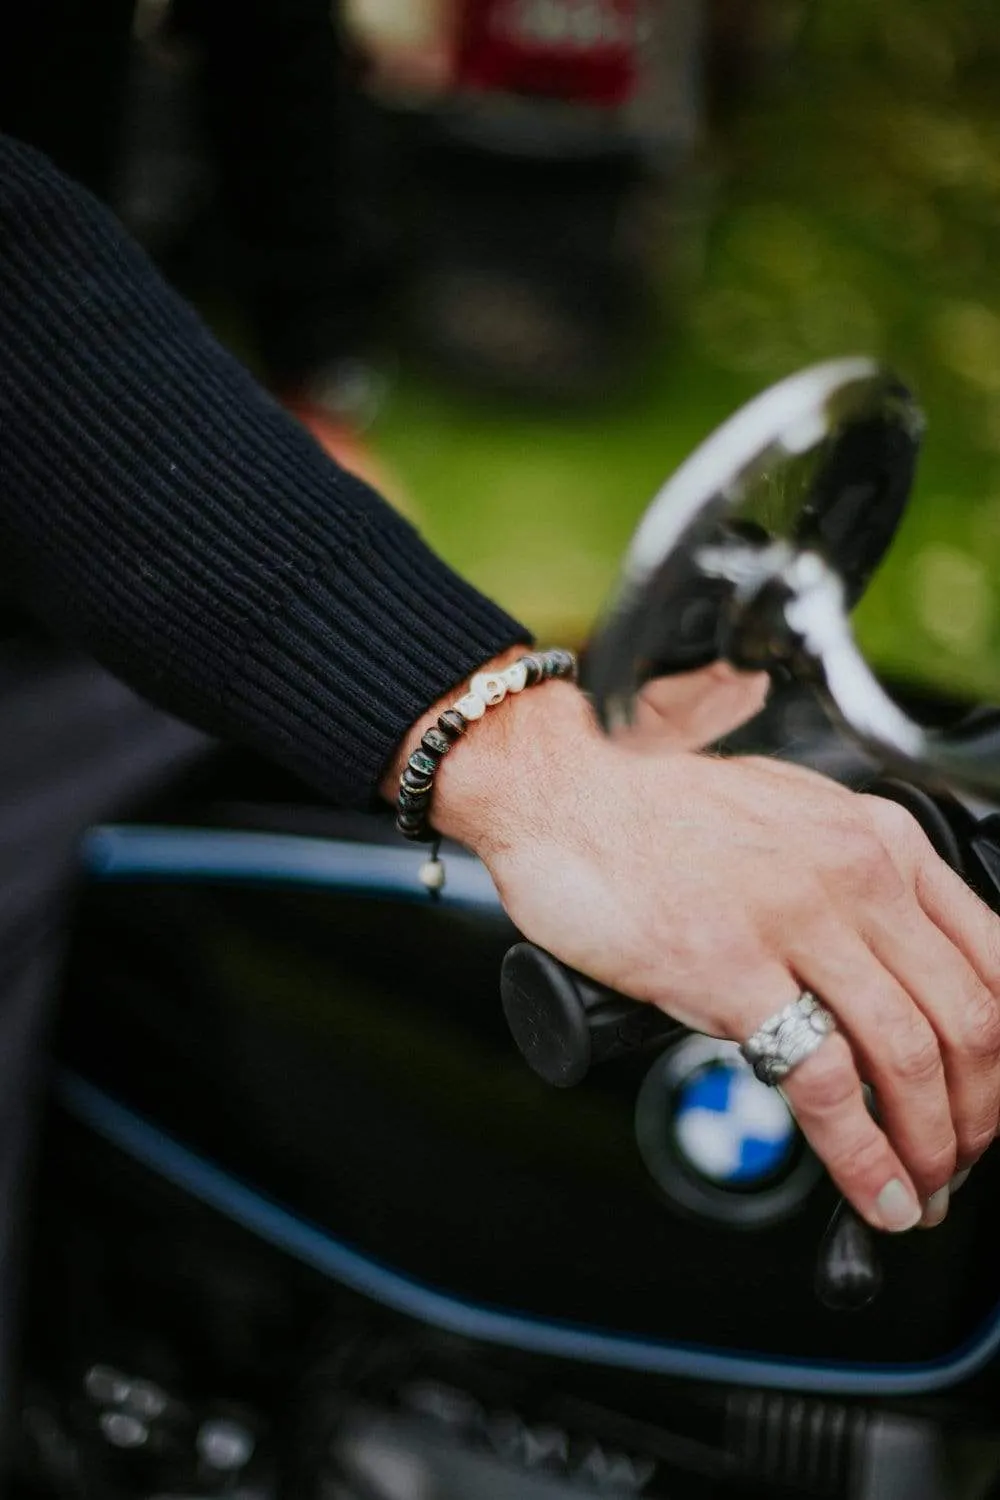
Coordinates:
<point>486,690</point>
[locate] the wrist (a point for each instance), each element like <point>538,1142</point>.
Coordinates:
<point>389,785</point>
<point>502,782</point>
<point>486,781</point>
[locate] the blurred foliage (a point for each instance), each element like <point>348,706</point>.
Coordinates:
<point>853,206</point>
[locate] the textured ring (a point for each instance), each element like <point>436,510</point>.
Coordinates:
<point>788,1038</point>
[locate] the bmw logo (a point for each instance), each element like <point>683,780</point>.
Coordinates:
<point>717,1141</point>
<point>731,1128</point>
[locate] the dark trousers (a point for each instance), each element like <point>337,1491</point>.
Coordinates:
<point>75,747</point>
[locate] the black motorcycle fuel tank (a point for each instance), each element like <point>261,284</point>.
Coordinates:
<point>264,1007</point>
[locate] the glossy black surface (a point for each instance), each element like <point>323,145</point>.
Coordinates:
<point>349,1058</point>
<point>144,1277</point>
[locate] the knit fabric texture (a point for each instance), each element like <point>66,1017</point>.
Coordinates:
<point>158,508</point>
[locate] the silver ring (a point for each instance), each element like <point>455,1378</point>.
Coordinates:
<point>788,1038</point>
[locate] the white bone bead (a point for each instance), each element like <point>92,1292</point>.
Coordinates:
<point>515,677</point>
<point>472,706</point>
<point>432,875</point>
<point>490,686</point>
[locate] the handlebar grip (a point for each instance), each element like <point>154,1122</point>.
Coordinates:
<point>563,1022</point>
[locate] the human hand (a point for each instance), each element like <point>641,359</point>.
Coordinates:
<point>717,890</point>
<point>692,709</point>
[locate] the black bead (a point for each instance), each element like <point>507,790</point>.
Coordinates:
<point>411,822</point>
<point>416,781</point>
<point>533,670</point>
<point>435,743</point>
<point>422,762</point>
<point>416,784</point>
<point>421,835</point>
<point>452,724</point>
<point>414,802</point>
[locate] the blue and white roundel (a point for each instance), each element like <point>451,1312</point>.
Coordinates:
<point>731,1128</point>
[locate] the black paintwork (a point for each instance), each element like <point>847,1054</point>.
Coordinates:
<point>349,1057</point>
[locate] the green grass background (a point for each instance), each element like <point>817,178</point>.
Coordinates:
<point>853,207</point>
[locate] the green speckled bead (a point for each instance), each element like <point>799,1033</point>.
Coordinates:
<point>421,761</point>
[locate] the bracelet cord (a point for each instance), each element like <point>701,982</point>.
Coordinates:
<point>485,690</point>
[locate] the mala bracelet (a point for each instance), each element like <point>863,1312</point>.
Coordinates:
<point>486,690</point>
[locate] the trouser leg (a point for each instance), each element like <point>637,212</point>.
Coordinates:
<point>76,747</point>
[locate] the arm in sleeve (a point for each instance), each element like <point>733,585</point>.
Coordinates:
<point>161,510</point>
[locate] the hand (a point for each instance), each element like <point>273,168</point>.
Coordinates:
<point>693,709</point>
<point>717,890</point>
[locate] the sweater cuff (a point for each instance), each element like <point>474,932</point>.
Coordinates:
<point>355,652</point>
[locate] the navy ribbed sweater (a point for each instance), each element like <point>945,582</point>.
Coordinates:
<point>161,510</point>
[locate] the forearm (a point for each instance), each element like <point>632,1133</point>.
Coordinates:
<point>158,508</point>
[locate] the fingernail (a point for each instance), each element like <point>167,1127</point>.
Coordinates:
<point>935,1209</point>
<point>958,1179</point>
<point>897,1207</point>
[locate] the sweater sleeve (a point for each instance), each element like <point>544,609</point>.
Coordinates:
<point>161,510</point>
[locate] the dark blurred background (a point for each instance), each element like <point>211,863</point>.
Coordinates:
<point>516,257</point>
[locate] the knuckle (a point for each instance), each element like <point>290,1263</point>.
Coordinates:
<point>862,1160</point>
<point>972,1027</point>
<point>974,1140</point>
<point>865,858</point>
<point>897,826</point>
<point>981,1029</point>
<point>914,1056</point>
<point>936,1163</point>
<point>991,968</point>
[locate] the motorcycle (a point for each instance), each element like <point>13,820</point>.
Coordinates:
<point>308,1226</point>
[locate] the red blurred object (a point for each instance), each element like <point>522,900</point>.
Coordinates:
<point>580,51</point>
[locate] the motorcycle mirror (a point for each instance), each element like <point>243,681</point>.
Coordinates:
<point>756,550</point>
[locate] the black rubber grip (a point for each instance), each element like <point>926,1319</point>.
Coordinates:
<point>563,1023</point>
